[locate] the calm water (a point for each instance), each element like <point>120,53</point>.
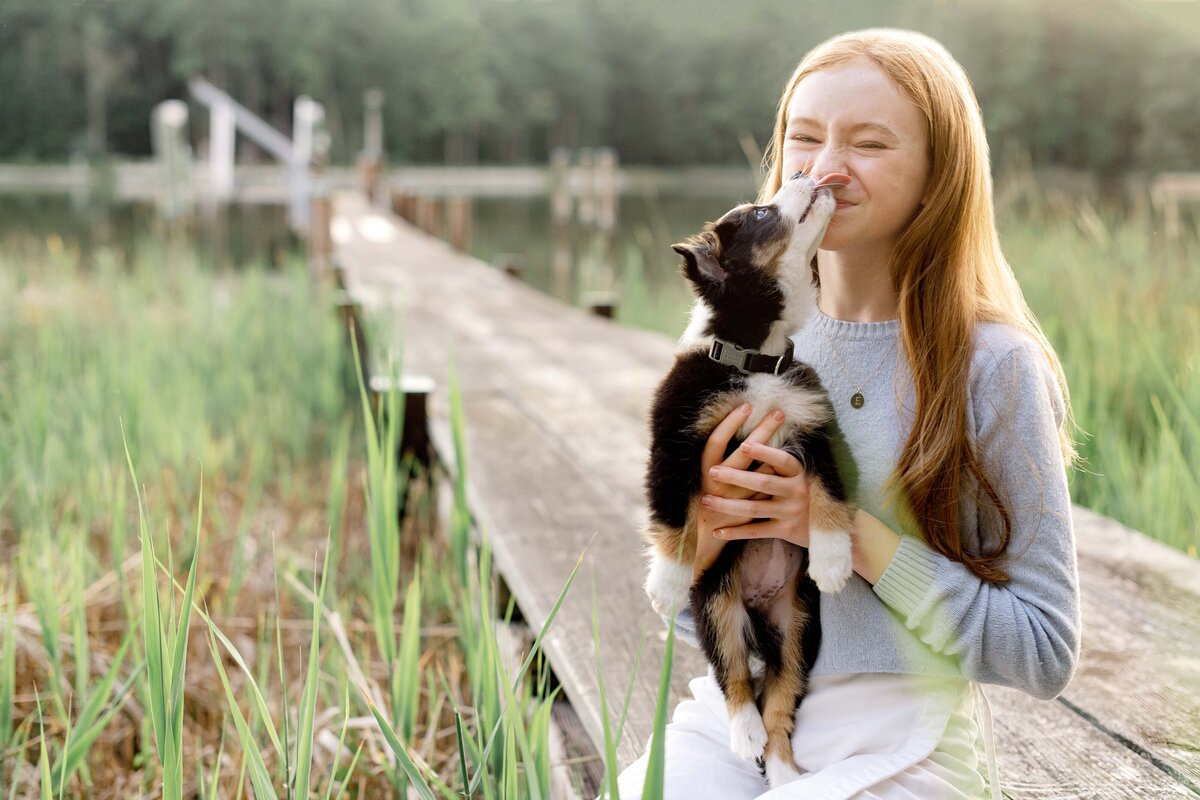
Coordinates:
<point>634,260</point>
<point>252,233</point>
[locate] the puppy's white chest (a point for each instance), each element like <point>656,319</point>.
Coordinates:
<point>803,408</point>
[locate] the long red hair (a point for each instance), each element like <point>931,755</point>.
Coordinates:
<point>949,274</point>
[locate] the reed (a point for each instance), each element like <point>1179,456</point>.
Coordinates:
<point>221,390</point>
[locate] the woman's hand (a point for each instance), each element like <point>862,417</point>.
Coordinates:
<point>735,496</point>
<point>777,494</point>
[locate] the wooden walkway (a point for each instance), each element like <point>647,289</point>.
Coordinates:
<point>556,404</point>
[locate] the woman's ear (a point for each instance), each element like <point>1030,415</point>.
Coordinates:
<point>928,191</point>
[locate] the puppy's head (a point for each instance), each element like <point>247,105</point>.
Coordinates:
<point>750,268</point>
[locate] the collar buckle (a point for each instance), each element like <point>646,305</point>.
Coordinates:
<point>747,360</point>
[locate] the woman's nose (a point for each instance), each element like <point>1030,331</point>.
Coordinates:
<point>827,160</point>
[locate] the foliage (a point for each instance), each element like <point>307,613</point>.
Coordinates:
<point>1102,85</point>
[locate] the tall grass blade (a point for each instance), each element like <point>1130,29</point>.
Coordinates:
<point>7,672</point>
<point>308,702</point>
<point>44,758</point>
<point>407,669</point>
<point>462,748</point>
<point>94,717</point>
<point>401,751</point>
<point>260,779</point>
<point>520,676</point>
<point>460,519</point>
<point>652,789</point>
<point>337,754</point>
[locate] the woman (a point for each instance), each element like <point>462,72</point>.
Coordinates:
<point>955,412</point>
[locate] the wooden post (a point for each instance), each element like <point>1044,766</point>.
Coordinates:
<point>512,264</point>
<point>605,186</point>
<point>308,117</point>
<point>560,213</point>
<point>373,123</point>
<point>414,439</point>
<point>221,139</point>
<point>404,206</point>
<point>370,160</point>
<point>585,183</point>
<point>601,302</point>
<point>168,125</point>
<point>320,241</point>
<point>429,215</point>
<point>458,222</point>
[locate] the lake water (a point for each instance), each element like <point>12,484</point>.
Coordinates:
<point>635,260</point>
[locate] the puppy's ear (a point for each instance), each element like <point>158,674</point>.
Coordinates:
<point>700,262</point>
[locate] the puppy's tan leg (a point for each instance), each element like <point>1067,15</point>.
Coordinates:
<point>672,554</point>
<point>783,687</point>
<point>830,554</point>
<point>731,664</point>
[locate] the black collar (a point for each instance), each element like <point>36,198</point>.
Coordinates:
<point>748,360</point>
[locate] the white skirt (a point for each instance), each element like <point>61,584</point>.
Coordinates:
<point>864,736</point>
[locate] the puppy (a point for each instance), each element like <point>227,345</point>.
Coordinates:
<point>750,272</point>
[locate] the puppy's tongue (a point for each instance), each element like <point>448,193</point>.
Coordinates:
<point>834,179</point>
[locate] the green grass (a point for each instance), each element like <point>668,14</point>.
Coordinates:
<point>1119,307</point>
<point>207,414</point>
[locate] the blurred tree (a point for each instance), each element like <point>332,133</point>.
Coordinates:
<point>1168,111</point>
<point>41,105</point>
<point>1101,85</point>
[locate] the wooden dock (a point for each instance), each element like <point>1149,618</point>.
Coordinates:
<point>556,403</point>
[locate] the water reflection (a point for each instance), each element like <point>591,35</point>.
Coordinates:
<point>632,264</point>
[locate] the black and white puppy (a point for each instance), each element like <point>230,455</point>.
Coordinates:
<point>750,272</point>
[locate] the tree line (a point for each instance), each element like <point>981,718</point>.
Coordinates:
<point>1107,86</point>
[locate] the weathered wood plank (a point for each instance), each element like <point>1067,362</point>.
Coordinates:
<point>1139,672</point>
<point>1047,752</point>
<point>556,402</point>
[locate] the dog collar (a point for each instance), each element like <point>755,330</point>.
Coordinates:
<point>748,360</point>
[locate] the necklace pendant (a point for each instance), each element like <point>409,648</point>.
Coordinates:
<point>857,400</point>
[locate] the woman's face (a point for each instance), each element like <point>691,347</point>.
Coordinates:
<point>853,119</point>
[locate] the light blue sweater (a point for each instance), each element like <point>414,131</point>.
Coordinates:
<point>928,614</point>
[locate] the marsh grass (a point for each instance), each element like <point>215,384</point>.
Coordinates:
<point>342,651</point>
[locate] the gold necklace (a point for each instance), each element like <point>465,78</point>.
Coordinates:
<point>856,400</point>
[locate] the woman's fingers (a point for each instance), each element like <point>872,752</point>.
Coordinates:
<point>750,530</point>
<point>741,458</point>
<point>764,482</point>
<point>772,529</point>
<point>780,500</point>
<point>718,440</point>
<point>781,461</point>
<point>740,508</point>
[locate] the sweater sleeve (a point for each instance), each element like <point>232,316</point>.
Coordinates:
<point>685,625</point>
<point>1023,633</point>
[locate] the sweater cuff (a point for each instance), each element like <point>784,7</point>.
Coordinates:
<point>906,580</point>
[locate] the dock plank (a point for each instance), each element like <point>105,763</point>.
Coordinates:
<point>556,402</point>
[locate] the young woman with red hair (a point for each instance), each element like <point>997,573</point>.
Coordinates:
<point>957,419</point>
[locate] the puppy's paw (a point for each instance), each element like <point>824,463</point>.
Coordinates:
<point>780,771</point>
<point>747,736</point>
<point>830,559</point>
<point>668,584</point>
